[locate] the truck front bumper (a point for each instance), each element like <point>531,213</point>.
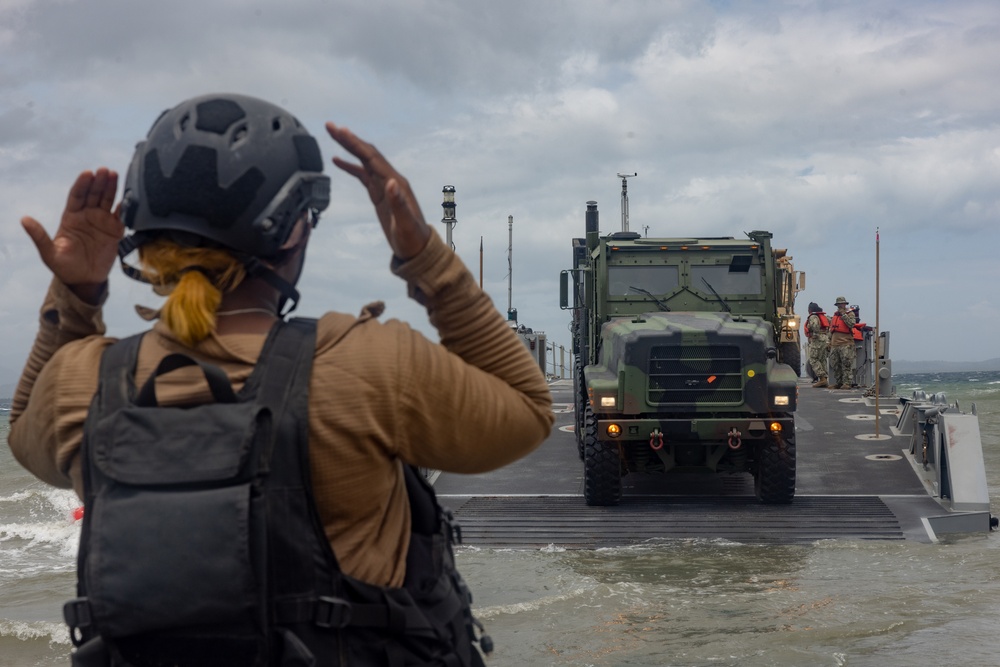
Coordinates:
<point>707,430</point>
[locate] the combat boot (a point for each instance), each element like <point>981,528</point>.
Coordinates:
<point>821,382</point>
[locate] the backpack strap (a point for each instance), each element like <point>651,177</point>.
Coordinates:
<point>285,366</point>
<point>294,342</point>
<point>281,377</point>
<point>117,374</point>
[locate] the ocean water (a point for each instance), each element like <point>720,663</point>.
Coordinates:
<point>38,541</point>
<point>690,602</point>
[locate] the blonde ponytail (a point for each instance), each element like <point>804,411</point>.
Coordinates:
<point>194,280</point>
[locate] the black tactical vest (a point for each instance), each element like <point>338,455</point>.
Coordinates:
<point>201,544</point>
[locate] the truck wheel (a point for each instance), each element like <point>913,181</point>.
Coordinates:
<point>602,476</point>
<point>774,481</point>
<point>791,354</point>
<point>579,401</point>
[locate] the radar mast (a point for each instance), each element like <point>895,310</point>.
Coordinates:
<point>625,178</point>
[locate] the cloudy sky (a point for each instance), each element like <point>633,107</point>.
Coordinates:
<point>818,121</point>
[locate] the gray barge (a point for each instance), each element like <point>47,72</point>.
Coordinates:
<point>919,477</point>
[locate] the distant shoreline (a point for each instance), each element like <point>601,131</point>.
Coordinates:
<point>906,367</point>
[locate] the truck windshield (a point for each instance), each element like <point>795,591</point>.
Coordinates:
<point>725,282</point>
<point>653,279</point>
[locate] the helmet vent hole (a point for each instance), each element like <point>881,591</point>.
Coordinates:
<point>239,134</point>
<point>276,124</point>
<point>185,119</point>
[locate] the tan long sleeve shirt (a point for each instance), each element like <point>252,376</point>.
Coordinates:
<point>380,394</point>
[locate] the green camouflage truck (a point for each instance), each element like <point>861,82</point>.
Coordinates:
<point>677,362</point>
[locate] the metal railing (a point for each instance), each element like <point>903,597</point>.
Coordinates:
<point>560,363</point>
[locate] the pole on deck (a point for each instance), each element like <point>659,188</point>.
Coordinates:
<point>877,382</point>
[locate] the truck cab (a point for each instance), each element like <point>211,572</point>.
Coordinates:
<point>677,360</point>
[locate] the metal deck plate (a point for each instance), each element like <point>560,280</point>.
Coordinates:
<point>849,486</point>
<point>535,522</point>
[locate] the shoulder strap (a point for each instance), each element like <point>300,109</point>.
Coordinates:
<point>117,375</point>
<point>288,342</point>
<point>284,367</point>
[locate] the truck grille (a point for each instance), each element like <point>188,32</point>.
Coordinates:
<point>707,375</point>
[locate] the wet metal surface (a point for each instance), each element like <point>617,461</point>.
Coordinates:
<point>534,522</point>
<point>849,485</point>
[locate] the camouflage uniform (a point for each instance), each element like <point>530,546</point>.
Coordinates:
<point>819,347</point>
<point>842,352</point>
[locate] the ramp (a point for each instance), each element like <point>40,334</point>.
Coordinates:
<point>849,485</point>
<point>539,521</point>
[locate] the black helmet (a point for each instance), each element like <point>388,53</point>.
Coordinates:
<point>234,170</point>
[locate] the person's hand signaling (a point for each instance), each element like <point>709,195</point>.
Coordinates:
<point>395,204</point>
<point>85,246</point>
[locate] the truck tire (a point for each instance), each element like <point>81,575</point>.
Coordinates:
<point>791,354</point>
<point>774,479</point>
<point>602,476</point>
<point>579,401</point>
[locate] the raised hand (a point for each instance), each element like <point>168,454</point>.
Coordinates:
<point>395,203</point>
<point>85,246</point>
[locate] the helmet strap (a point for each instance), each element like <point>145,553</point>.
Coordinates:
<point>126,247</point>
<point>257,269</point>
<point>254,268</point>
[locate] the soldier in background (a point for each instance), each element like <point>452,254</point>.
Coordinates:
<point>842,352</point>
<point>818,333</point>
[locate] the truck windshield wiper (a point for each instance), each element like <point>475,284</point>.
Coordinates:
<point>650,295</point>
<point>721,300</point>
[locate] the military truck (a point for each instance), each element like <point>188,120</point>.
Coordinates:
<point>789,282</point>
<point>677,365</point>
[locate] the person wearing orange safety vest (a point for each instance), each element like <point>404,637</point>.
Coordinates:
<point>818,333</point>
<point>859,331</point>
<point>842,352</point>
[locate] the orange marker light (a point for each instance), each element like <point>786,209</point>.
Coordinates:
<point>711,379</point>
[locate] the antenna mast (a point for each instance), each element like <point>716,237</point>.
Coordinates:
<point>511,313</point>
<point>625,178</point>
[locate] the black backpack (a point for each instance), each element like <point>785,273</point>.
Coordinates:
<point>201,544</point>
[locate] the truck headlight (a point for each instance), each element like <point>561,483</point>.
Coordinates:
<point>608,401</point>
<point>781,400</point>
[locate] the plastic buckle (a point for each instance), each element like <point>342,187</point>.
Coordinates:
<point>332,612</point>
<point>76,613</point>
